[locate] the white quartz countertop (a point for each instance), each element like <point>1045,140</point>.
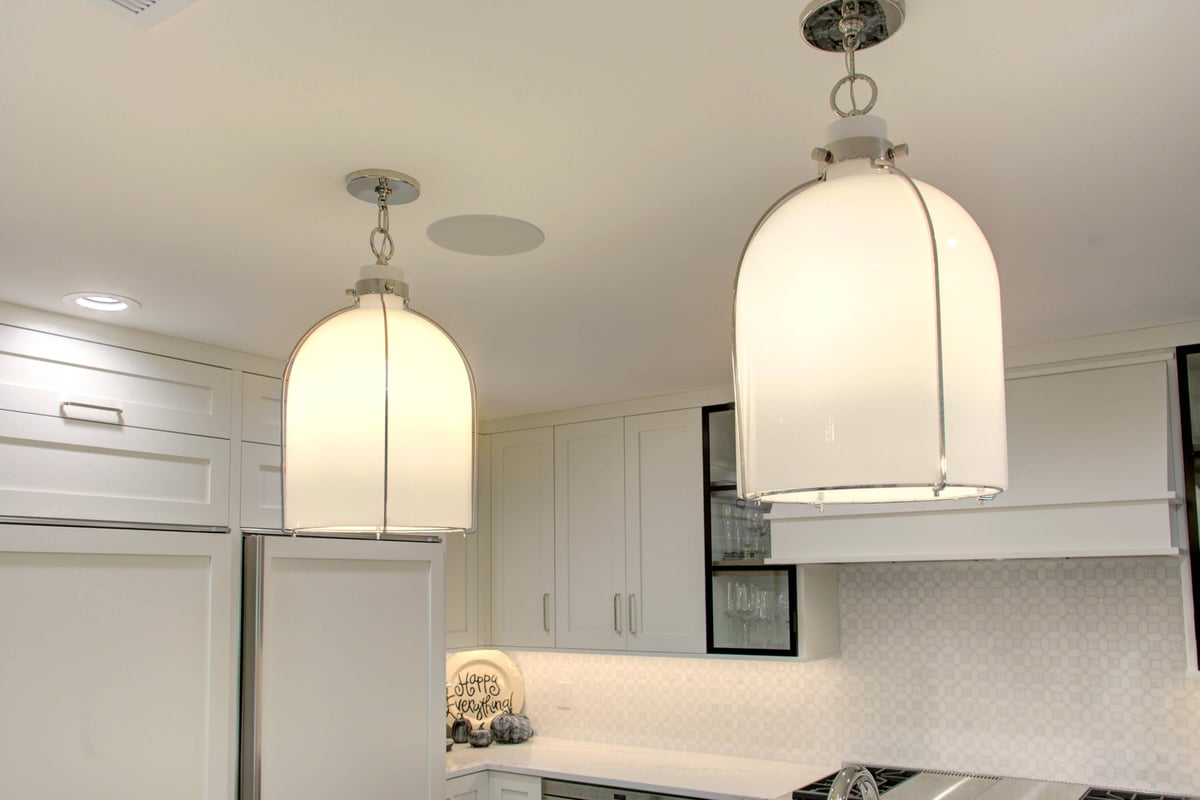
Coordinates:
<point>700,775</point>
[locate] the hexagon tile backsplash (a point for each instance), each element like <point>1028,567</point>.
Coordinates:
<point>1061,670</point>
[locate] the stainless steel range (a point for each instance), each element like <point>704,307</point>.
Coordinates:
<point>902,783</point>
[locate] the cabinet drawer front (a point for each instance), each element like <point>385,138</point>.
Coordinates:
<point>262,486</point>
<point>62,468</point>
<point>262,409</point>
<point>117,658</point>
<point>57,376</point>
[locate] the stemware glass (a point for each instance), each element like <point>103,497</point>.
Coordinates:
<point>783,614</point>
<point>744,602</point>
<point>763,601</point>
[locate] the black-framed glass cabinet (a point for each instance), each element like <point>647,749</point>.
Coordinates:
<point>1188,360</point>
<point>750,605</point>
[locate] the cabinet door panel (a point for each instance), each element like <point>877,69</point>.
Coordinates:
<point>262,409</point>
<point>468,787</point>
<point>262,486</point>
<point>351,669</point>
<point>664,531</point>
<point>115,675</point>
<point>468,561</point>
<point>589,534</point>
<point>522,538</point>
<point>509,786</point>
<point>41,371</point>
<point>462,590</point>
<point>62,468</point>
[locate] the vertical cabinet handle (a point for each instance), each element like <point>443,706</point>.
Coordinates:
<point>633,614</point>
<point>546,612</point>
<point>617,612</point>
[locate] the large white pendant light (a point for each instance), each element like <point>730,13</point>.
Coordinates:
<point>868,360</point>
<point>378,407</point>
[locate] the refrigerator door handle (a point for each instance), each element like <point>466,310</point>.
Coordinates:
<point>546,612</point>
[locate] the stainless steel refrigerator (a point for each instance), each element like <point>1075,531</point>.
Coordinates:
<point>343,669</point>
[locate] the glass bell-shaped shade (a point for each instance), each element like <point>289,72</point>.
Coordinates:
<point>378,425</point>
<point>861,373</point>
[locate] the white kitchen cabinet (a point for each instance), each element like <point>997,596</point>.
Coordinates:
<point>68,378</point>
<point>600,525</point>
<point>511,786</point>
<point>262,487</point>
<point>522,538</point>
<point>589,534</point>
<point>468,562</point>
<point>664,528</point>
<point>1091,450</point>
<point>462,590</point>
<point>262,409</point>
<point>468,787</point>
<point>53,467</point>
<point>629,525</point>
<point>116,673</point>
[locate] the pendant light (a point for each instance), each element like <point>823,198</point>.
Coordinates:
<point>378,406</point>
<point>868,360</point>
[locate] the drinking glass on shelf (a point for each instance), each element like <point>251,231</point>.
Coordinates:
<point>745,610</point>
<point>730,601</point>
<point>783,614</point>
<point>739,606</point>
<point>731,532</point>
<point>763,603</point>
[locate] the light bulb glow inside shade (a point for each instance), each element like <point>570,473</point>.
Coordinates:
<point>836,342</point>
<point>379,428</point>
<point>101,301</point>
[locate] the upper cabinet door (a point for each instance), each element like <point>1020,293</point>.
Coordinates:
<point>262,409</point>
<point>262,487</point>
<point>522,538</point>
<point>57,376</point>
<point>468,556</point>
<point>664,532</point>
<point>589,534</point>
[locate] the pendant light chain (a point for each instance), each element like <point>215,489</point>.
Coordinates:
<point>386,247</point>
<point>851,25</point>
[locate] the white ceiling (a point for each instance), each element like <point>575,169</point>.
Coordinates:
<point>198,165</point>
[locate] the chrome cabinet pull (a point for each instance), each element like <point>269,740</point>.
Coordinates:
<point>546,612</point>
<point>632,615</point>
<point>63,406</point>
<point>617,612</point>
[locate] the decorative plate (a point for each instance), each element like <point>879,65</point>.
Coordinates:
<point>481,684</point>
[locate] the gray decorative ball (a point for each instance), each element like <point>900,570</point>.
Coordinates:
<point>511,728</point>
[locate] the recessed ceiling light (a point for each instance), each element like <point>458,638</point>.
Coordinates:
<point>486,235</point>
<point>101,301</point>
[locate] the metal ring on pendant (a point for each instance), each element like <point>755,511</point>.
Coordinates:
<point>854,109</point>
<point>386,247</point>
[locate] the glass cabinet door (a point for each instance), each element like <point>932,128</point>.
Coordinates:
<point>751,605</point>
<point>752,610</point>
